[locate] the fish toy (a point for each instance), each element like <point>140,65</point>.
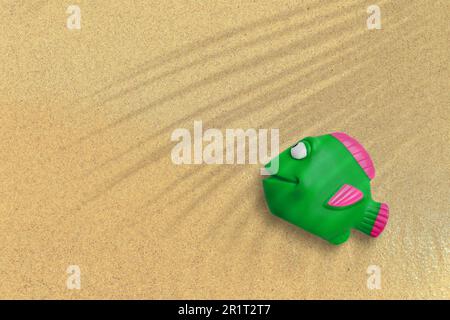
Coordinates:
<point>322,184</point>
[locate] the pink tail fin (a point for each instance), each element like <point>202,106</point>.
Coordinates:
<point>381,221</point>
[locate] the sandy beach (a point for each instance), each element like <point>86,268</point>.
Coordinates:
<point>87,179</point>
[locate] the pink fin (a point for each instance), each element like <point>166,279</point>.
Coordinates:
<point>346,196</point>
<point>380,223</point>
<point>358,152</point>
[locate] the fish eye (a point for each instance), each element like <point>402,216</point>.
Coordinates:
<point>299,151</point>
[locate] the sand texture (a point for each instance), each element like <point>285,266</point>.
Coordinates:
<point>86,176</point>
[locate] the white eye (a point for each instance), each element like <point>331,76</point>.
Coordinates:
<point>299,151</point>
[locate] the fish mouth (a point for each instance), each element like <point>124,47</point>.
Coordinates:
<point>293,180</point>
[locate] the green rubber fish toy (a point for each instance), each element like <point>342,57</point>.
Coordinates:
<point>322,184</point>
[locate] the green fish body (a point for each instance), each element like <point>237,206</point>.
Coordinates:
<point>323,186</point>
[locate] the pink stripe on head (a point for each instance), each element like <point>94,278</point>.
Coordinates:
<point>358,152</point>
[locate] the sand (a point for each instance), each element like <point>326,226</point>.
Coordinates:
<point>86,176</point>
